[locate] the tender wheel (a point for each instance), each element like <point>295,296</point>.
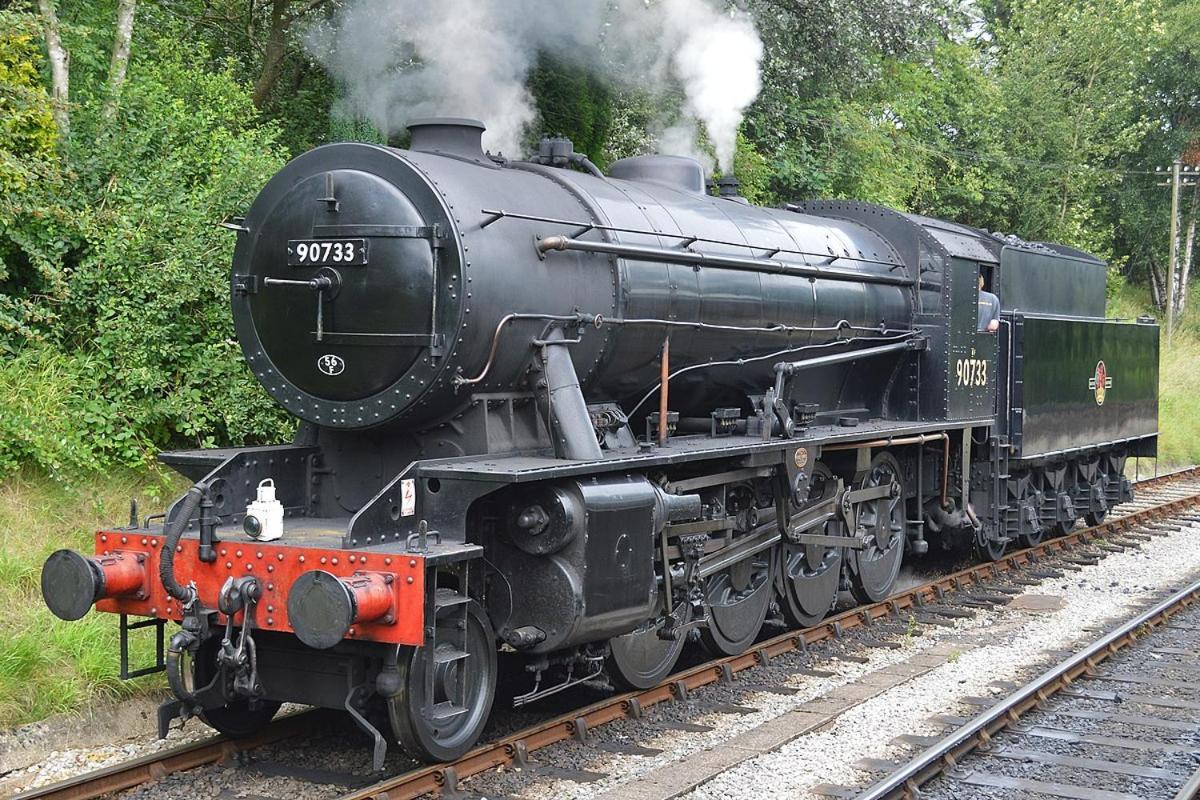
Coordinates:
<point>641,659</point>
<point>237,719</point>
<point>989,549</point>
<point>1095,518</point>
<point>737,601</point>
<point>444,725</point>
<point>1030,503</point>
<point>1062,528</point>
<point>873,569</point>
<point>809,573</point>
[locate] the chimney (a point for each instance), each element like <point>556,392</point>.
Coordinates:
<point>449,136</point>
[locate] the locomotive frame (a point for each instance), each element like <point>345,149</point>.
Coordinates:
<point>468,482</point>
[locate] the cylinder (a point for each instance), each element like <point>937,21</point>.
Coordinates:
<point>322,606</point>
<point>72,583</point>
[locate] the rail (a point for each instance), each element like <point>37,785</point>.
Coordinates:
<point>945,753</point>
<point>515,748</point>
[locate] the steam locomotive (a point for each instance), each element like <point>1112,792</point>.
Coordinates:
<point>586,419</point>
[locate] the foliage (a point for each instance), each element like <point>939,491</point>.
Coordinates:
<point>1169,99</point>
<point>1069,76</point>
<point>118,318</point>
<point>1018,123</point>
<point>28,169</point>
<point>27,133</point>
<point>572,102</point>
<point>1179,381</point>
<point>1035,117</point>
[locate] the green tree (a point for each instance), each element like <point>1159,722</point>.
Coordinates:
<point>574,102</point>
<point>1169,97</point>
<point>1069,76</point>
<point>115,299</point>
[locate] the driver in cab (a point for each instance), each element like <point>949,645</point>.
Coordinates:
<point>989,309</point>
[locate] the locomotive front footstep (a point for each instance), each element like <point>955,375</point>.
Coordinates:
<point>571,424</point>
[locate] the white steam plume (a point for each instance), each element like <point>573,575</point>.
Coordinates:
<point>717,61</point>
<point>398,60</point>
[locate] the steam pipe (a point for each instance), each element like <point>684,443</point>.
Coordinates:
<point>692,258</point>
<point>574,434</point>
<point>583,161</point>
<point>792,367</point>
<point>785,369</point>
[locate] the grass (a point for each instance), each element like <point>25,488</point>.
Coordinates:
<point>47,665</point>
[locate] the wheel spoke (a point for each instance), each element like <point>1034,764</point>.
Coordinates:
<point>734,619</point>
<point>642,659</point>
<point>881,524</point>
<point>446,725</point>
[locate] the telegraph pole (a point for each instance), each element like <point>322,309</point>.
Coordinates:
<point>1174,261</point>
<point>1181,178</point>
<point>1175,184</point>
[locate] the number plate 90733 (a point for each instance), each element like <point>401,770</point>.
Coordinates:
<point>326,252</point>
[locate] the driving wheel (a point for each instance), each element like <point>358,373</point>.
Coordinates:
<point>874,567</point>
<point>642,658</point>
<point>809,573</point>
<point>737,600</point>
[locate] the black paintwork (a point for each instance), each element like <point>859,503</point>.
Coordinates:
<point>1054,397</point>
<point>484,272</point>
<point>505,378</point>
<point>1047,282</point>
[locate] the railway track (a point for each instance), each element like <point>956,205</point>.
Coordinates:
<point>1028,744</point>
<point>1160,500</point>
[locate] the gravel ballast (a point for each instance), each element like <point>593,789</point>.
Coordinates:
<point>1001,644</point>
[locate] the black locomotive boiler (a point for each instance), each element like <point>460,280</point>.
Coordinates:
<point>586,419</point>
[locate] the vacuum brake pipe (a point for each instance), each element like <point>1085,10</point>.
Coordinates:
<point>171,536</point>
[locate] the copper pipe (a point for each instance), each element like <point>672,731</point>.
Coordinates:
<point>663,393</point>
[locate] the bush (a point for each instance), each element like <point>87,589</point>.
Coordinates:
<point>117,292</point>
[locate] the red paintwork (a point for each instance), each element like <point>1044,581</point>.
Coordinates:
<point>277,566</point>
<point>373,597</point>
<point>124,574</point>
